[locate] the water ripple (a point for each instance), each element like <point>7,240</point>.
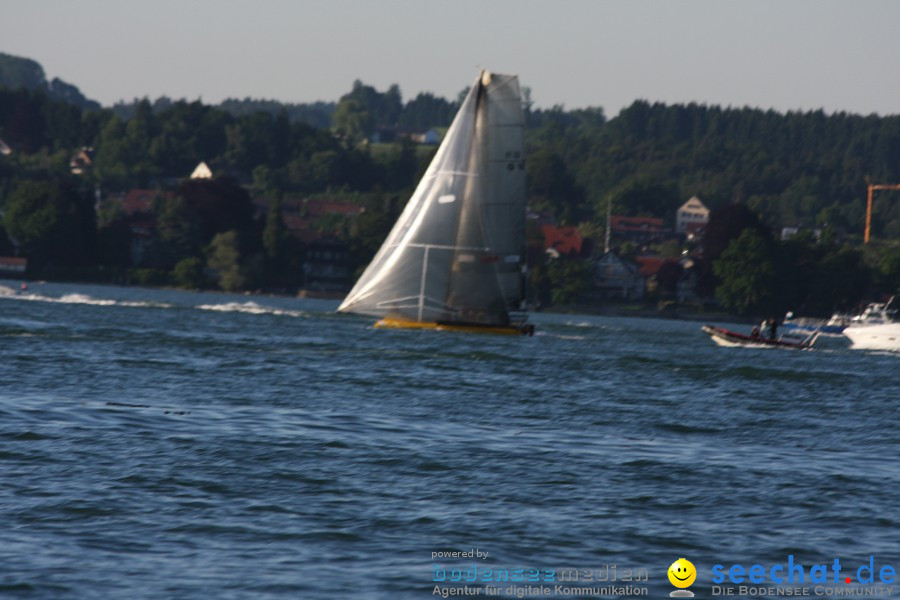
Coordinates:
<point>164,444</point>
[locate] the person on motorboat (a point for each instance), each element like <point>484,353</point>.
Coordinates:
<point>772,327</point>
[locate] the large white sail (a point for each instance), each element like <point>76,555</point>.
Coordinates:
<point>456,252</point>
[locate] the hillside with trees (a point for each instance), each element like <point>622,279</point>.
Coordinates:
<point>16,72</point>
<point>801,169</point>
<point>795,168</point>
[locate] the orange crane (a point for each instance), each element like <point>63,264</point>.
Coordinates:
<point>872,188</point>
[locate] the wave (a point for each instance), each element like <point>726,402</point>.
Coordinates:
<point>144,304</point>
<point>77,299</point>
<point>251,308</point>
<point>11,294</point>
<point>580,324</point>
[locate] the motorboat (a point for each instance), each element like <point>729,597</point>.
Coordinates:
<point>876,328</point>
<point>726,337</point>
<point>805,326</point>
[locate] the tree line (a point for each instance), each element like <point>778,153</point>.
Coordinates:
<point>799,168</point>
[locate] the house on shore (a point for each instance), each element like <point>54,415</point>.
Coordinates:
<point>202,171</point>
<point>314,221</point>
<point>637,230</point>
<point>562,241</point>
<point>617,278</point>
<point>692,216</point>
<point>326,266</point>
<point>13,266</point>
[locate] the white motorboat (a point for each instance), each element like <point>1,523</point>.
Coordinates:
<point>885,336</point>
<point>875,328</point>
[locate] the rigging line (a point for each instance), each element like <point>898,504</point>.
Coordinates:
<point>506,81</point>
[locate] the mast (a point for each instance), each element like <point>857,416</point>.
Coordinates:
<point>608,214</point>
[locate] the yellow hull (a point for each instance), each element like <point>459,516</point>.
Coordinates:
<point>495,329</point>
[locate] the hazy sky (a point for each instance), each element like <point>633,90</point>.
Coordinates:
<point>781,54</point>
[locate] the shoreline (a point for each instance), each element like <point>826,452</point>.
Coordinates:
<point>673,313</point>
<point>670,312</point>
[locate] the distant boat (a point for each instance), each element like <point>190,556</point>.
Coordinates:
<point>875,328</point>
<point>455,258</point>
<point>876,313</point>
<point>885,336</point>
<point>726,337</point>
<point>805,326</point>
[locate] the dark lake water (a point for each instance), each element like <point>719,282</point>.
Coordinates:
<point>164,444</point>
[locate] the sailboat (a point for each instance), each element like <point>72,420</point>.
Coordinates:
<point>455,258</point>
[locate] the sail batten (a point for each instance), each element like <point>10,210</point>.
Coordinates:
<point>456,251</point>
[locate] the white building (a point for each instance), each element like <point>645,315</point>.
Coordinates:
<point>202,172</point>
<point>691,216</point>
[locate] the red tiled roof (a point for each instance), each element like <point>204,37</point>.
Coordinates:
<point>314,207</point>
<point>300,228</point>
<point>565,240</point>
<point>12,261</point>
<point>301,214</point>
<point>635,223</point>
<point>650,265</point>
<point>141,201</point>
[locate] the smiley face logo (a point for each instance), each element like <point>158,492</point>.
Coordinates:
<point>682,573</point>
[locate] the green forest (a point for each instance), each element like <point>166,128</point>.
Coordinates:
<point>758,171</point>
